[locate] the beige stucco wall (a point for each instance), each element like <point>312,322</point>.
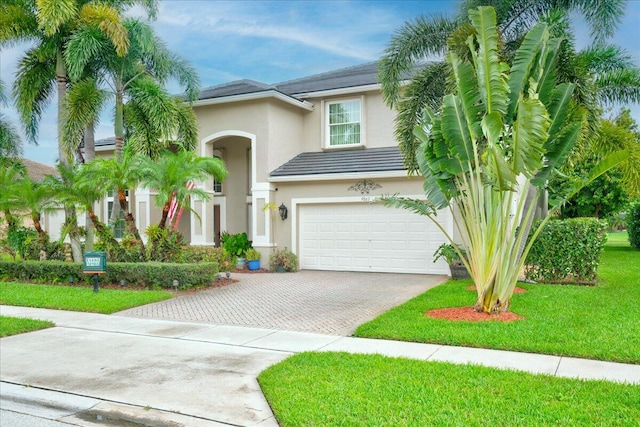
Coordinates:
<point>377,121</point>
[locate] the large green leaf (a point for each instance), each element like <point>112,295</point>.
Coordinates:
<point>465,78</point>
<point>498,169</point>
<point>558,106</point>
<point>524,61</point>
<point>530,131</point>
<point>557,150</point>
<point>455,129</point>
<point>493,88</point>
<point>547,70</point>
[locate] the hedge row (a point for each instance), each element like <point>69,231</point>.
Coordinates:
<point>150,274</point>
<point>633,225</point>
<point>567,251</point>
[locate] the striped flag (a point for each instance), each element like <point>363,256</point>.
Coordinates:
<point>178,207</point>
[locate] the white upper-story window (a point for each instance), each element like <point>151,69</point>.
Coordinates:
<point>344,123</point>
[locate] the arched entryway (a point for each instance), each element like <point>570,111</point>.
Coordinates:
<point>229,206</point>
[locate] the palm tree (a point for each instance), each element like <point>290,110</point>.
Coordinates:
<point>76,186</point>
<point>502,130</point>
<point>11,173</point>
<point>35,198</point>
<point>604,72</point>
<point>138,75</point>
<point>123,175</point>
<point>50,24</point>
<point>171,172</point>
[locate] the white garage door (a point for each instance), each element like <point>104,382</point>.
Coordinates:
<point>367,237</point>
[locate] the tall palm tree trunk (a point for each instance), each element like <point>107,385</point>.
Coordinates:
<point>65,159</point>
<point>119,141</point>
<point>89,155</point>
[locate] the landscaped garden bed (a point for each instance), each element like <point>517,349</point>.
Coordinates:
<point>595,322</point>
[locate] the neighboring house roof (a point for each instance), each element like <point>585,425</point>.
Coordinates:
<point>37,171</point>
<point>381,159</point>
<point>105,142</point>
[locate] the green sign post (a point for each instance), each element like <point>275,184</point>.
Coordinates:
<point>94,263</point>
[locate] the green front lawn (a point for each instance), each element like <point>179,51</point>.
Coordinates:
<point>339,389</point>
<point>18,325</point>
<point>595,322</point>
<point>106,301</point>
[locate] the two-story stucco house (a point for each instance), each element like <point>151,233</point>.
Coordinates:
<point>321,146</point>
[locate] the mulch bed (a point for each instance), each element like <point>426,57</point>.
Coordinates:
<point>468,314</point>
<point>246,270</point>
<point>516,290</point>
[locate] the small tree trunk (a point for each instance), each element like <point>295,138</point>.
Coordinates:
<point>132,229</point>
<point>162,226</point>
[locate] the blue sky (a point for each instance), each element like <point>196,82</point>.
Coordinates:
<point>273,41</point>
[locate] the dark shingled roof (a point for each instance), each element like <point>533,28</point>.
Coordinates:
<point>359,75</point>
<point>328,162</point>
<point>238,87</point>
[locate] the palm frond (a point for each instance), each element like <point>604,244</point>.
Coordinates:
<point>82,107</point>
<point>108,20</point>
<point>34,87</point>
<point>413,43</point>
<point>421,207</point>
<point>426,88</point>
<point>52,14</point>
<point>619,86</point>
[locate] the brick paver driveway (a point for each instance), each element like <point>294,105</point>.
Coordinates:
<point>325,302</point>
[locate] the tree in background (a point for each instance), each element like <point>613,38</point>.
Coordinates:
<point>503,130</point>
<point>610,193</point>
<point>603,73</point>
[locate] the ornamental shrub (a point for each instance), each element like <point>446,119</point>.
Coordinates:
<point>633,225</point>
<point>567,251</point>
<point>151,274</point>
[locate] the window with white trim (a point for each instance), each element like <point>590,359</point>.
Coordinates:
<point>343,123</point>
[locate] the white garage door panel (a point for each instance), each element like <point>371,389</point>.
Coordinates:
<point>365,237</point>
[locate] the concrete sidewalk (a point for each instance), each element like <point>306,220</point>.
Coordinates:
<point>160,372</point>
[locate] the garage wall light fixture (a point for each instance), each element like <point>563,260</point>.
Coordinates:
<point>283,211</point>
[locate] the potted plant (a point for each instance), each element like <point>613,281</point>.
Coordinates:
<point>237,245</point>
<point>253,259</point>
<point>450,255</point>
<point>283,260</point>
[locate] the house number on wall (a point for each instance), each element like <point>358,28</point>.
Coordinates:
<point>364,187</point>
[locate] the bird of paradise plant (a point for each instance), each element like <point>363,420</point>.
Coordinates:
<point>490,149</point>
